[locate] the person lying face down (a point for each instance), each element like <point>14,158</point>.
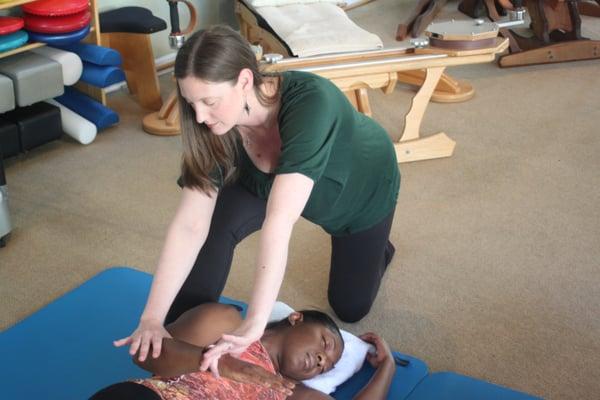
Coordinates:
<point>299,347</point>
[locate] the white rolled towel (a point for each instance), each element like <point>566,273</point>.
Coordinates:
<point>72,67</point>
<point>75,125</point>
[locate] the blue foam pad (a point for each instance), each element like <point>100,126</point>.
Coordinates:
<point>100,75</point>
<point>95,54</point>
<point>88,108</point>
<point>61,39</point>
<point>13,40</point>
<point>65,351</point>
<point>452,386</point>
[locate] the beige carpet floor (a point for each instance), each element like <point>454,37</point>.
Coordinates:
<point>496,273</point>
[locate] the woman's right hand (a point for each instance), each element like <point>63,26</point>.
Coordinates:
<point>148,333</point>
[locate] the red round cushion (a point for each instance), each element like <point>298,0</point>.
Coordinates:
<point>10,25</point>
<point>64,24</point>
<point>53,8</point>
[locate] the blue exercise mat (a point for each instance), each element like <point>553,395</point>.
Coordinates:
<point>65,351</point>
<point>94,54</point>
<point>101,75</point>
<point>60,39</point>
<point>452,386</point>
<point>88,108</point>
<point>13,40</point>
<point>404,381</point>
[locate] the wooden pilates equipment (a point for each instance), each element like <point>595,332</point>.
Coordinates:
<point>165,122</point>
<point>555,31</point>
<point>447,90</point>
<point>420,17</point>
<point>357,72</point>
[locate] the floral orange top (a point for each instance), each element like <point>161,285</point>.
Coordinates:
<point>203,385</point>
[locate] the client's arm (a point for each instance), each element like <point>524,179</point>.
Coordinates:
<point>383,361</point>
<point>192,333</point>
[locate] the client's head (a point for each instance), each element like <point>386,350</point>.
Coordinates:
<point>310,344</point>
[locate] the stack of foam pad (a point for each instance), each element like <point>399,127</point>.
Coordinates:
<point>41,74</point>
<point>11,33</point>
<point>101,68</point>
<point>57,22</point>
<point>26,79</point>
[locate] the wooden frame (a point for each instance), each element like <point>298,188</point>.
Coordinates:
<point>355,73</point>
<point>448,89</point>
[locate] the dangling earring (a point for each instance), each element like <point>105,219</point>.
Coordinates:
<point>246,107</point>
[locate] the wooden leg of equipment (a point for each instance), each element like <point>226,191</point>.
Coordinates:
<point>559,52</point>
<point>411,146</point>
<point>448,89</point>
<point>588,8</point>
<point>138,64</point>
<point>164,122</point>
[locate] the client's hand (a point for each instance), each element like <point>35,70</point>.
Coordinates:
<point>245,372</point>
<point>383,354</point>
<point>148,333</point>
<point>234,344</point>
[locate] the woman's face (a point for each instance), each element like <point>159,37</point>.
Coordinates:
<point>216,105</point>
<point>309,349</point>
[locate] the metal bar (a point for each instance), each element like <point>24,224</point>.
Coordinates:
<point>372,63</point>
<point>382,52</point>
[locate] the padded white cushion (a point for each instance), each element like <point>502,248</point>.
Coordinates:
<point>353,356</point>
<point>70,62</point>
<point>318,28</point>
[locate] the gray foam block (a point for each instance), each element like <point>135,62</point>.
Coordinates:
<point>35,78</point>
<point>7,94</point>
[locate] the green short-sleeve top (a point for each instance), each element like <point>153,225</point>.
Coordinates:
<point>349,156</point>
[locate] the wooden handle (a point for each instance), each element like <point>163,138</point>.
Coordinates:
<point>193,17</point>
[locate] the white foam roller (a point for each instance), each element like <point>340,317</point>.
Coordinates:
<point>75,125</point>
<point>72,66</point>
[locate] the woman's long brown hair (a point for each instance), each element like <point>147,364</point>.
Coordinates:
<point>217,54</point>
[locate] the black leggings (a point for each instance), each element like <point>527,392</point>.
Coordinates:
<point>358,261</point>
<point>126,391</point>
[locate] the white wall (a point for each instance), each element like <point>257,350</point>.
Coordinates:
<point>209,12</point>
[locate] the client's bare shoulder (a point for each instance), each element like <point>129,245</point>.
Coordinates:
<point>204,324</point>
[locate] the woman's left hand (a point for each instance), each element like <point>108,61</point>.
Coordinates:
<point>234,344</point>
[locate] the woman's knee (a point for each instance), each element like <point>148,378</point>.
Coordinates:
<point>349,310</point>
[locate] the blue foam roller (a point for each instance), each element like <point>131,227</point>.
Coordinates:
<point>88,108</point>
<point>95,54</point>
<point>62,39</point>
<point>13,40</point>
<point>100,75</point>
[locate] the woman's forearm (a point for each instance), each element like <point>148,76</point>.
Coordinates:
<point>176,260</point>
<point>270,267</point>
<point>380,382</point>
